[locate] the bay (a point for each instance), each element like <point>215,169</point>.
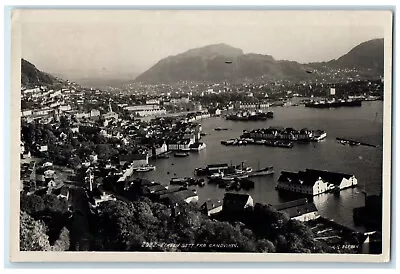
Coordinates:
<point>363,123</point>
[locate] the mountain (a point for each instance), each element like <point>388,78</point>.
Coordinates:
<point>31,76</point>
<point>367,55</point>
<point>220,62</point>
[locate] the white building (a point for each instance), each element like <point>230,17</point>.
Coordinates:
<point>211,206</point>
<point>300,210</point>
<point>314,182</point>
<point>94,113</point>
<point>26,113</point>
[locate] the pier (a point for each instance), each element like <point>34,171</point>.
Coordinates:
<point>344,141</point>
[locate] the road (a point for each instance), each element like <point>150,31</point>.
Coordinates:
<point>80,236</point>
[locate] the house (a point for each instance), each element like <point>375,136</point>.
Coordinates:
<point>302,182</point>
<point>180,144</point>
<point>159,149</point>
<point>136,159</point>
<point>47,164</point>
<point>300,210</point>
<point>22,148</point>
<point>340,180</point>
<point>74,128</point>
<point>185,195</point>
<point>156,188</point>
<point>314,182</point>
<point>93,158</point>
<point>50,184</point>
<point>42,148</point>
<point>100,196</point>
<point>26,112</point>
<point>188,195</point>
<point>49,174</point>
<point>234,202</point>
<point>94,113</point>
<point>211,206</point>
<point>63,193</point>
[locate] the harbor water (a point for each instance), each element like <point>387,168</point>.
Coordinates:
<point>363,124</point>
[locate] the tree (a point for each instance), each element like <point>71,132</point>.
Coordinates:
<point>32,234</point>
<point>63,242</point>
<point>55,205</point>
<point>32,204</point>
<point>265,246</point>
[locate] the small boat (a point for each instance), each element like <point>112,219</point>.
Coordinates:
<point>352,143</point>
<point>216,175</point>
<point>220,128</point>
<point>284,144</point>
<point>181,154</point>
<point>145,168</point>
<point>200,171</point>
<point>180,181</point>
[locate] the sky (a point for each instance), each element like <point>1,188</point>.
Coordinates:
<point>92,43</point>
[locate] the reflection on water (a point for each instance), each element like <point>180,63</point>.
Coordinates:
<point>359,123</point>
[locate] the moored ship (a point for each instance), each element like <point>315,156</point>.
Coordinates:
<point>334,103</point>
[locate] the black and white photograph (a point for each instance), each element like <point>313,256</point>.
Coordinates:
<point>211,132</point>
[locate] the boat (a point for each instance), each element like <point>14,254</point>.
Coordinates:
<point>319,135</point>
<point>220,128</point>
<point>353,143</point>
<point>181,154</point>
<point>216,175</point>
<point>146,168</point>
<point>180,181</point>
<point>228,178</point>
<point>261,172</point>
<point>198,171</point>
<point>334,103</point>
<point>163,156</point>
<point>284,144</point>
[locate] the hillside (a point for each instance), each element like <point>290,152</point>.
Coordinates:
<point>367,55</point>
<point>222,62</point>
<point>31,76</point>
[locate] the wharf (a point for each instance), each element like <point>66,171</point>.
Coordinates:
<point>353,142</point>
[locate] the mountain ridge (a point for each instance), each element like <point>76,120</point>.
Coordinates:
<point>31,76</point>
<point>220,62</point>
